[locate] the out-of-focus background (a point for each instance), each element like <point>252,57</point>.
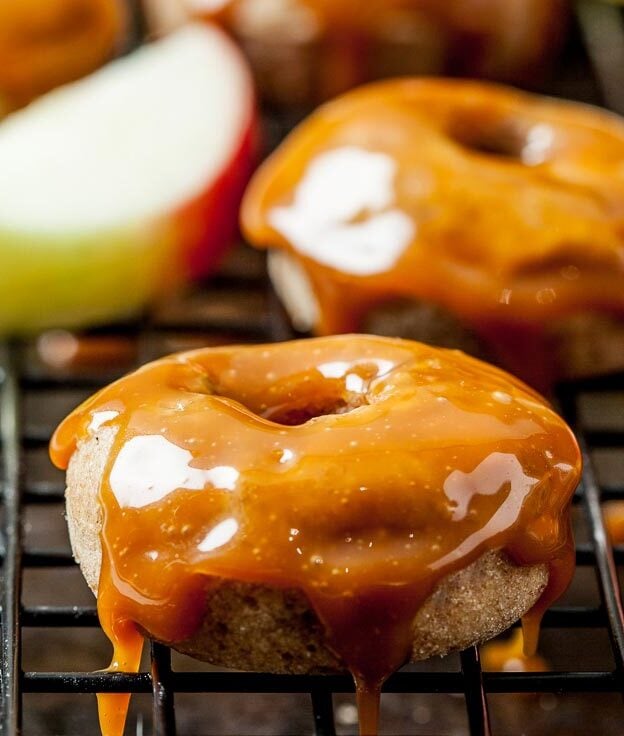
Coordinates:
<point>89,291</point>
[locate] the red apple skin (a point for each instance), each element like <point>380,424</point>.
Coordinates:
<point>208,225</point>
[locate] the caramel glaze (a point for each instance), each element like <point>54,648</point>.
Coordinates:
<point>361,470</point>
<point>613,513</point>
<point>503,208</point>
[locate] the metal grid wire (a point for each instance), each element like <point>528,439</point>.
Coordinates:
<point>602,30</point>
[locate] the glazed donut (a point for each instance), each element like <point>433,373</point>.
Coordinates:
<point>500,211</point>
<point>266,507</point>
<point>45,43</point>
<point>308,50</point>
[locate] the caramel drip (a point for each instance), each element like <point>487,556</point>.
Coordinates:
<point>128,646</point>
<point>613,512</point>
<point>503,209</point>
<point>360,471</point>
<point>510,655</point>
<point>368,697</point>
<point>127,649</point>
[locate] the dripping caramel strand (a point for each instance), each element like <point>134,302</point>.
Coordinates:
<point>361,471</point>
<point>509,655</point>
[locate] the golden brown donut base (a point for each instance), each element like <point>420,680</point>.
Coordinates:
<point>581,346</point>
<point>255,627</point>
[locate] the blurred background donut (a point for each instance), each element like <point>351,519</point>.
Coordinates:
<point>304,51</point>
<point>45,43</point>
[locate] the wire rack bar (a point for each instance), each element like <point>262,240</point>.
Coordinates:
<point>603,553</point>
<point>61,616</point>
<point>323,712</point>
<point>12,542</point>
<point>605,562</point>
<point>162,691</point>
<point>248,682</point>
<point>476,700</point>
<point>559,617</point>
<point>602,27</point>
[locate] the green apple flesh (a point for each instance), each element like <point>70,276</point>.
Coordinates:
<point>97,178</point>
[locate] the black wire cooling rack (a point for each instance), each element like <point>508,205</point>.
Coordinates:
<point>28,389</point>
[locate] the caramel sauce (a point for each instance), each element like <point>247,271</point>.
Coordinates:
<point>613,514</point>
<point>508,655</point>
<point>63,350</point>
<point>504,209</point>
<point>359,470</point>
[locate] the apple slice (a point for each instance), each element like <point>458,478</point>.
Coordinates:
<point>117,187</point>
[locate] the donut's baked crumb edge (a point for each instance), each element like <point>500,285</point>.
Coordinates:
<point>256,627</point>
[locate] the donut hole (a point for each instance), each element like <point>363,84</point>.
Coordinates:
<point>503,139</point>
<point>300,412</point>
<point>293,400</point>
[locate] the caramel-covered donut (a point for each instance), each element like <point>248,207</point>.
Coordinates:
<point>383,491</point>
<point>502,208</point>
<point>307,50</point>
<point>44,43</point>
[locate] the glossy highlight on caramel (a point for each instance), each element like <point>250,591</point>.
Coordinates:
<point>505,209</point>
<point>359,470</point>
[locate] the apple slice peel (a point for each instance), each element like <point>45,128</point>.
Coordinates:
<point>117,187</point>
